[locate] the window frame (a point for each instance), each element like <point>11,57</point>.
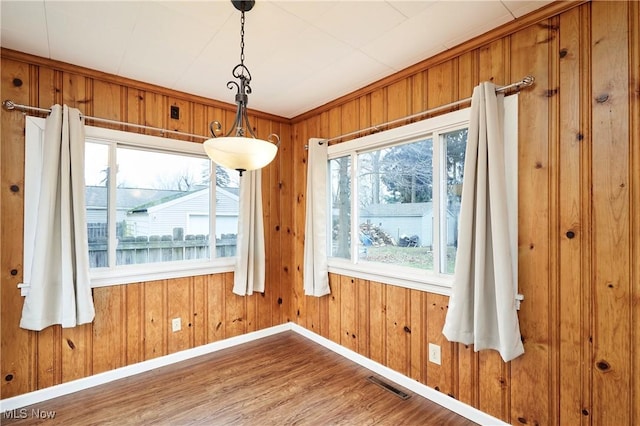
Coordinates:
<point>126,274</point>
<point>408,277</point>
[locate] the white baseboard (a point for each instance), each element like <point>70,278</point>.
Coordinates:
<point>130,370</point>
<point>439,398</point>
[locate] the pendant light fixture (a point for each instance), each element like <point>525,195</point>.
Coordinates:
<point>240,149</point>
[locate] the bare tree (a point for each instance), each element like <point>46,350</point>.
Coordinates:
<point>177,181</point>
<point>369,191</point>
<point>222,177</point>
<point>456,145</point>
<point>407,172</point>
<point>342,202</point>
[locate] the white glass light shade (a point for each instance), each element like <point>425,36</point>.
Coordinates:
<point>240,153</point>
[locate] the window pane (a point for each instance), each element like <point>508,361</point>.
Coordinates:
<point>340,172</point>
<point>227,208</point>
<point>455,144</point>
<point>160,201</point>
<point>395,187</point>
<point>96,178</point>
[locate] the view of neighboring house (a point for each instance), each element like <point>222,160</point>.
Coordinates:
<point>146,212</point>
<point>407,219</point>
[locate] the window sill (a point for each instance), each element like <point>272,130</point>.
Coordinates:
<point>413,279</point>
<point>154,271</point>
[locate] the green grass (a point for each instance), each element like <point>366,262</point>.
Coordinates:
<point>415,257</point>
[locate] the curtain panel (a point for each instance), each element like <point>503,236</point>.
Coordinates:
<point>250,264</point>
<point>59,287</point>
<point>316,269</point>
<point>482,307</point>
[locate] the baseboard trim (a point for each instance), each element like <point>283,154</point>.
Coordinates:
<point>130,370</point>
<point>439,398</point>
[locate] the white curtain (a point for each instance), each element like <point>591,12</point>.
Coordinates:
<point>60,289</point>
<point>316,271</point>
<point>250,265</point>
<point>482,307</point>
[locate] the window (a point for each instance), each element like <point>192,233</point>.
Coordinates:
<point>395,201</point>
<point>152,211</point>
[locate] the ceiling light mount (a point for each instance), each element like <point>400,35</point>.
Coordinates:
<point>240,149</point>
<point>243,5</point>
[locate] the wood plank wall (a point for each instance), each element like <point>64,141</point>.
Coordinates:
<point>579,224</point>
<point>132,322</point>
<point>579,171</point>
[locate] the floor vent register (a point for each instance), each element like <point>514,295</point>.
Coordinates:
<point>388,387</point>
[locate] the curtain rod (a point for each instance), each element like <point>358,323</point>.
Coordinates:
<point>10,105</point>
<point>525,82</point>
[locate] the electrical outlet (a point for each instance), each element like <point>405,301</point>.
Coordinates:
<point>434,353</point>
<point>176,324</point>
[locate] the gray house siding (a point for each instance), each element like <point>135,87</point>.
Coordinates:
<point>189,212</point>
<point>398,220</point>
<point>142,212</point>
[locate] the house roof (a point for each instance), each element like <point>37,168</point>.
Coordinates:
<point>126,198</point>
<point>137,199</point>
<point>226,201</point>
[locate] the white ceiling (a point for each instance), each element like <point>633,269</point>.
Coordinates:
<point>301,54</point>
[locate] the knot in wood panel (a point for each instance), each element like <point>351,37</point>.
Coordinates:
<point>603,365</point>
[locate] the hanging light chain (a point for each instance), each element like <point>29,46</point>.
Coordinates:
<point>255,153</point>
<point>242,39</point>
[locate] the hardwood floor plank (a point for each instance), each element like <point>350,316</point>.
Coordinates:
<point>284,379</point>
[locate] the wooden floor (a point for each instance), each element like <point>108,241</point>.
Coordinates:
<point>284,379</point>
